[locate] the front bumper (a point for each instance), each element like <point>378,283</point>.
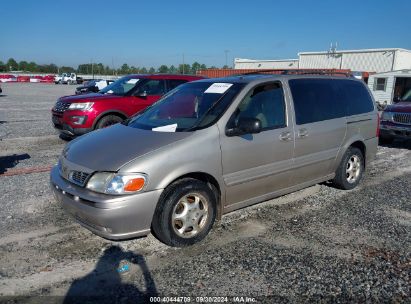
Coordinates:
<point>395,131</point>
<point>60,125</point>
<point>111,217</point>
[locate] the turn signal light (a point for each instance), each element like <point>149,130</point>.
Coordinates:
<point>135,184</point>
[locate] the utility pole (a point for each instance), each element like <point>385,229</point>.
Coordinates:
<point>226,53</point>
<point>183,65</point>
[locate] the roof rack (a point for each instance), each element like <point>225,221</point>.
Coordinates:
<point>330,72</point>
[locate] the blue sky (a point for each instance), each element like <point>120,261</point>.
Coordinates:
<point>151,33</point>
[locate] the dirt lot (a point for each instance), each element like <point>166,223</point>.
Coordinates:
<point>318,243</point>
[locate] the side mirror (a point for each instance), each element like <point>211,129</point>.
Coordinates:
<point>143,94</point>
<point>245,125</point>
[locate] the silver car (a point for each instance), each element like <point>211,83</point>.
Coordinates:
<point>213,146</point>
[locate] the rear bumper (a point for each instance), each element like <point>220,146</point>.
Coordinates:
<point>111,217</point>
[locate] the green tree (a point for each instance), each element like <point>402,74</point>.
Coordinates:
<point>184,69</point>
<point>203,67</point>
<point>172,69</point>
<point>52,68</point>
<point>32,67</point>
<point>163,69</point>
<point>23,65</point>
<point>12,65</point>
<point>99,69</point>
<point>2,66</point>
<point>143,70</point>
<point>125,69</point>
<point>67,69</point>
<point>151,70</point>
<point>195,67</point>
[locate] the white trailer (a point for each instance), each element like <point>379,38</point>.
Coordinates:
<point>390,87</point>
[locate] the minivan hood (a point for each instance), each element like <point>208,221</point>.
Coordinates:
<point>89,97</point>
<point>401,107</point>
<point>110,148</point>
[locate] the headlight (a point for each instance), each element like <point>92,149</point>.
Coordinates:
<point>84,106</point>
<point>387,116</point>
<point>112,183</point>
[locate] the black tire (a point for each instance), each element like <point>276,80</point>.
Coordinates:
<point>164,228</point>
<point>107,121</point>
<point>342,179</point>
<point>382,140</point>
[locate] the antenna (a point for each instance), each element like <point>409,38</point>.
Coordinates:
<point>333,50</point>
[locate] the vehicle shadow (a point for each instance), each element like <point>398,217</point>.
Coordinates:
<point>65,137</point>
<point>10,161</point>
<point>398,143</point>
<point>105,283</point>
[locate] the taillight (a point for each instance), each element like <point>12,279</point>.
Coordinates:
<point>377,133</point>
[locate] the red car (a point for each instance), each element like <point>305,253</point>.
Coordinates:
<point>79,114</point>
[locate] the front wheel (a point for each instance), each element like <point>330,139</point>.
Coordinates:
<point>350,170</point>
<point>185,213</point>
<point>107,121</point>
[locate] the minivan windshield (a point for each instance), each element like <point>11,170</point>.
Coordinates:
<point>188,107</point>
<point>121,86</point>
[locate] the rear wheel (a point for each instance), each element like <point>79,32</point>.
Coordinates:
<point>185,213</point>
<point>107,121</point>
<point>350,170</point>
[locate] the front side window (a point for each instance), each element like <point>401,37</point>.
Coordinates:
<point>265,103</point>
<point>380,84</point>
<point>151,87</point>
<point>121,87</point>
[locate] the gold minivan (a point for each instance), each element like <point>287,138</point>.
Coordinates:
<point>213,146</point>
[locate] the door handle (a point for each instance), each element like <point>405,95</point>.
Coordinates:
<point>285,136</point>
<point>302,133</point>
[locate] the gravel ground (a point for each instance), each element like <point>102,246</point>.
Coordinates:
<point>319,244</point>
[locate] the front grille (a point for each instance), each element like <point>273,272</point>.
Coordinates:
<point>403,118</point>
<point>61,106</point>
<point>78,177</point>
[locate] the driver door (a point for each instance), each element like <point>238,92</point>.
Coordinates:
<point>257,165</point>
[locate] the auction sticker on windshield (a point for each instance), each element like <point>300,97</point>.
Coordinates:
<point>218,88</point>
<point>167,128</point>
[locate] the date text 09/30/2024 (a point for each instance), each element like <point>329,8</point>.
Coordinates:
<point>237,299</point>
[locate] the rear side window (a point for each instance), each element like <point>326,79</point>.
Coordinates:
<point>324,99</point>
<point>355,96</point>
<point>315,100</point>
<point>173,83</point>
